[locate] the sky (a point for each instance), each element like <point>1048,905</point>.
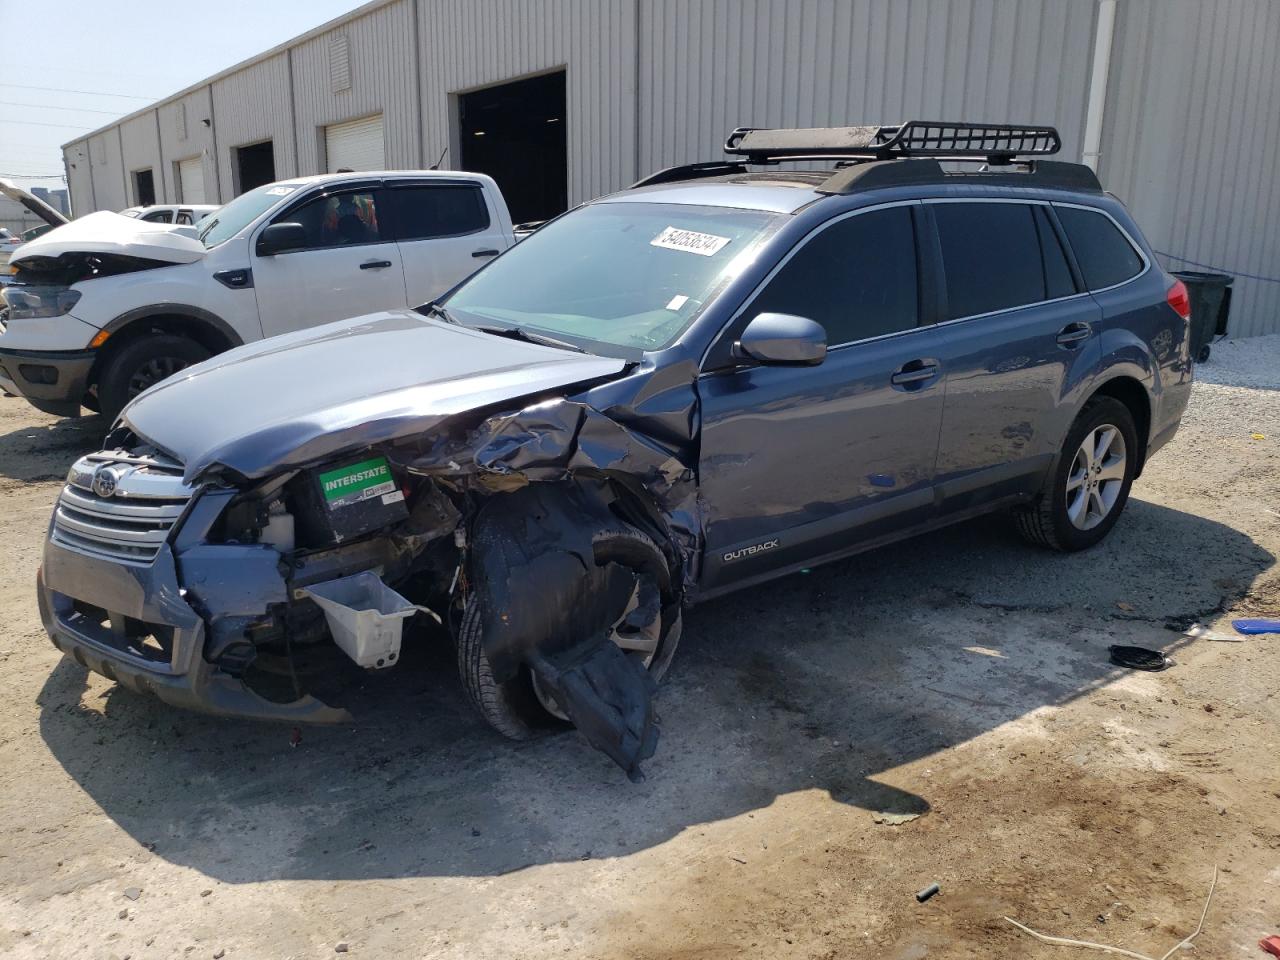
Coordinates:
<point>71,66</point>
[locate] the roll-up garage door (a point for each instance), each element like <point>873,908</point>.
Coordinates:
<point>191,181</point>
<point>356,144</point>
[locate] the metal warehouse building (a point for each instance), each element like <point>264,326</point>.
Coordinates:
<point>1173,101</point>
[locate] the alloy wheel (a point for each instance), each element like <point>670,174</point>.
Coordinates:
<point>1097,477</point>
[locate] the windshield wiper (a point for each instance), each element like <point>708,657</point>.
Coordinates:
<point>520,333</point>
<point>436,309</point>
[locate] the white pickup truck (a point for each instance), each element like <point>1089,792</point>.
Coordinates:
<point>105,306</point>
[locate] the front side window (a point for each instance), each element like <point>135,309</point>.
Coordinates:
<point>617,275</point>
<point>444,210</point>
<point>991,255</point>
<point>338,220</point>
<point>857,278</point>
<point>1105,256</point>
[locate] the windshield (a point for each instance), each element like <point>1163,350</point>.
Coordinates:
<point>242,211</point>
<point>632,275</point>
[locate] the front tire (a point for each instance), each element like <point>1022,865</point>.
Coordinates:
<point>514,708</point>
<point>1089,487</point>
<point>142,364</point>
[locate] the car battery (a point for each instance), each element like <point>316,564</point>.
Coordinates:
<point>340,503</point>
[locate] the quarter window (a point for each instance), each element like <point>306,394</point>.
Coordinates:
<point>1105,256</point>
<point>857,278</point>
<point>992,257</point>
<point>445,210</point>
<point>338,220</point>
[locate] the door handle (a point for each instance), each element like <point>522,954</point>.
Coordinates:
<point>914,374</point>
<point>484,253</point>
<point>375,264</point>
<point>1074,333</point>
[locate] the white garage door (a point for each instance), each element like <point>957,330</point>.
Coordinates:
<point>191,181</point>
<point>356,144</point>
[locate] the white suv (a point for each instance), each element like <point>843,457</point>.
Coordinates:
<point>106,306</point>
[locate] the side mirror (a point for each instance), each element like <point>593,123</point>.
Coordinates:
<point>280,237</point>
<point>784,340</point>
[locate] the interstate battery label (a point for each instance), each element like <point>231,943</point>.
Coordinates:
<point>357,482</point>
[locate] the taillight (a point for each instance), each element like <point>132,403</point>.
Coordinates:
<point>1179,299</point>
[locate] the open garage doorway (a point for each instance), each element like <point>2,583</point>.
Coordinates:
<point>515,132</point>
<point>255,165</point>
<point>144,188</point>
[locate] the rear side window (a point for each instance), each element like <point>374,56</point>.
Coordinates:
<point>157,216</point>
<point>857,278</point>
<point>1057,275</point>
<point>992,256</point>
<point>1105,256</point>
<point>446,210</point>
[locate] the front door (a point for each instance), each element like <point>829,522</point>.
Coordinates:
<point>348,266</point>
<point>445,232</point>
<point>802,463</point>
<point>1021,345</point>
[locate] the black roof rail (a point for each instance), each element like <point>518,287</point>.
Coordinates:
<point>994,143</point>
<point>692,171</point>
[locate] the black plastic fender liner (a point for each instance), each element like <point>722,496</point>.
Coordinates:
<point>609,698</point>
<point>546,602</point>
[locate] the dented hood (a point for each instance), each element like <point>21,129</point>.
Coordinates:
<point>297,398</point>
<point>106,232</point>
<point>31,202</point>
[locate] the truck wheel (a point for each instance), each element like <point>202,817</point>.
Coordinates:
<point>142,364</point>
<point>1083,498</point>
<point>519,709</point>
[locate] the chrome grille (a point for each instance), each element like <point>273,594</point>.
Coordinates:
<point>121,506</point>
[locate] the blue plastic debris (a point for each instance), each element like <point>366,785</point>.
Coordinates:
<point>1256,626</point>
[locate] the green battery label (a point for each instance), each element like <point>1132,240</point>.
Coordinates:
<point>357,482</point>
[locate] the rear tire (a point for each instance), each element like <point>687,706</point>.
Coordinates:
<point>512,708</point>
<point>142,364</point>
<point>1088,490</point>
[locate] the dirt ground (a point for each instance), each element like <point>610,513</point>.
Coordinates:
<point>963,677</point>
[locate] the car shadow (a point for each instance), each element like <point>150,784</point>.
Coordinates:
<point>43,451</point>
<point>827,680</point>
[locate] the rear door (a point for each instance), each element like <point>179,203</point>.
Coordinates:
<point>1020,346</point>
<point>349,266</point>
<point>445,230</point>
<point>799,463</point>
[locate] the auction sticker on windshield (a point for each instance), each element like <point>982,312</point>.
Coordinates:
<point>703,244</point>
<point>357,482</point>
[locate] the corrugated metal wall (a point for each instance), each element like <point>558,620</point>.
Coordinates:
<point>381,57</point>
<point>108,170</point>
<point>712,65</point>
<point>183,135</point>
<point>1191,136</point>
<point>1189,140</point>
<point>252,105</point>
<point>474,43</point>
<point>141,145</point>
<point>79,177</point>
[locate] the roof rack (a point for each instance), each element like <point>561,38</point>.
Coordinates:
<point>994,143</point>
<point>869,156</point>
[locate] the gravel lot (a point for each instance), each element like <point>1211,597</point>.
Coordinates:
<point>963,678</point>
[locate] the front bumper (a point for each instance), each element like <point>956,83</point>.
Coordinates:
<point>82,597</point>
<point>53,381</point>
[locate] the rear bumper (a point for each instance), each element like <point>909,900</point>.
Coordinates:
<point>76,593</point>
<point>54,381</point>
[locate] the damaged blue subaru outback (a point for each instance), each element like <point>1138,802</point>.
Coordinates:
<point>728,372</point>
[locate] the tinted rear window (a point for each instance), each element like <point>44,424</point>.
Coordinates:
<point>1057,275</point>
<point>1105,256</point>
<point>857,278</point>
<point>991,254</point>
<point>446,210</point>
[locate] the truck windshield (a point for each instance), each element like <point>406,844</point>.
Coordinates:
<point>242,211</point>
<point>631,275</point>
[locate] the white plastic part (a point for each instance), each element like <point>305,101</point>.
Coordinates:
<point>365,617</point>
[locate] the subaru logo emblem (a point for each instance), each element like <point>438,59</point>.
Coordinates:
<point>105,481</point>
